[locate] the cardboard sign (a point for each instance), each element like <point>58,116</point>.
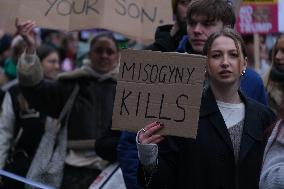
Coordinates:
<point>155,86</point>
<point>134,18</point>
<point>258,18</point>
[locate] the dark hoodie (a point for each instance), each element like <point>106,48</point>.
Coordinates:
<point>164,41</point>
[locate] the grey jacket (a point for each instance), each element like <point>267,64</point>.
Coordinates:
<point>272,174</point>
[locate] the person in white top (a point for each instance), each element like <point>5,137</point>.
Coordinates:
<point>227,152</point>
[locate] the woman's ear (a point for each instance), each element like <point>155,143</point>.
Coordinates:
<point>243,66</point>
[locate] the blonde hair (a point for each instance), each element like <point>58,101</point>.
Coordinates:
<point>230,33</point>
<point>275,48</point>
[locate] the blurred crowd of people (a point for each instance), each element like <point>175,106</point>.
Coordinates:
<point>240,136</point>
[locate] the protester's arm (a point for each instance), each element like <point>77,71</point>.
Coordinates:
<point>158,168</point>
<point>47,97</point>
<point>164,175</point>
<point>272,175</point>
<point>25,29</point>
<point>7,120</point>
<point>29,69</point>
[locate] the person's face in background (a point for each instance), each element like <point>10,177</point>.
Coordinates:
<point>51,66</point>
<point>182,6</point>
<point>249,42</point>
<point>104,55</point>
<point>225,62</point>
<point>181,10</point>
<point>199,28</point>
<point>279,54</point>
<point>70,44</point>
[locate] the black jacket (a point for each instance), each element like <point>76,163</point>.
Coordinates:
<point>208,161</point>
<point>27,118</point>
<point>91,114</point>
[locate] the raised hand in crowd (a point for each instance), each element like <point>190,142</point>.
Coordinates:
<point>25,29</point>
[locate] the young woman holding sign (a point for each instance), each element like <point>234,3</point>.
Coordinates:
<point>227,152</point>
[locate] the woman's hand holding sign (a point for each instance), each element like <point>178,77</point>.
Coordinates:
<point>148,135</point>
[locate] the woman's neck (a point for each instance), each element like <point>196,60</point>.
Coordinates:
<point>228,94</point>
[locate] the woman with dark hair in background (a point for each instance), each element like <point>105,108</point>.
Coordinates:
<point>274,80</point>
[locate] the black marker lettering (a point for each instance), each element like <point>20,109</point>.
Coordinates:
<point>128,69</point>
<point>180,107</point>
<point>91,7</point>
<point>145,14</point>
<point>147,106</point>
<point>171,72</point>
<point>123,102</point>
<point>138,103</point>
<point>51,5</point>
<point>152,73</point>
<point>178,74</point>
<point>78,11</point>
<point>140,66</point>
<point>123,11</point>
<point>164,75</point>
<point>146,72</point>
<point>135,13</point>
<point>161,108</point>
<point>189,74</point>
<point>60,8</point>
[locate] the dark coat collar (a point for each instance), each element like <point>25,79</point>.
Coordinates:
<point>252,131</point>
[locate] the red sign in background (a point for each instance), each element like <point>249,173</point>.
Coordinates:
<point>258,18</point>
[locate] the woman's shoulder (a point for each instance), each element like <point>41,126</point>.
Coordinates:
<point>260,109</point>
<point>72,75</point>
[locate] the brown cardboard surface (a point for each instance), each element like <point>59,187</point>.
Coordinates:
<point>7,8</point>
<point>171,93</point>
<point>134,18</point>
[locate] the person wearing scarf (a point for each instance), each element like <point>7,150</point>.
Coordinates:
<point>275,80</point>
